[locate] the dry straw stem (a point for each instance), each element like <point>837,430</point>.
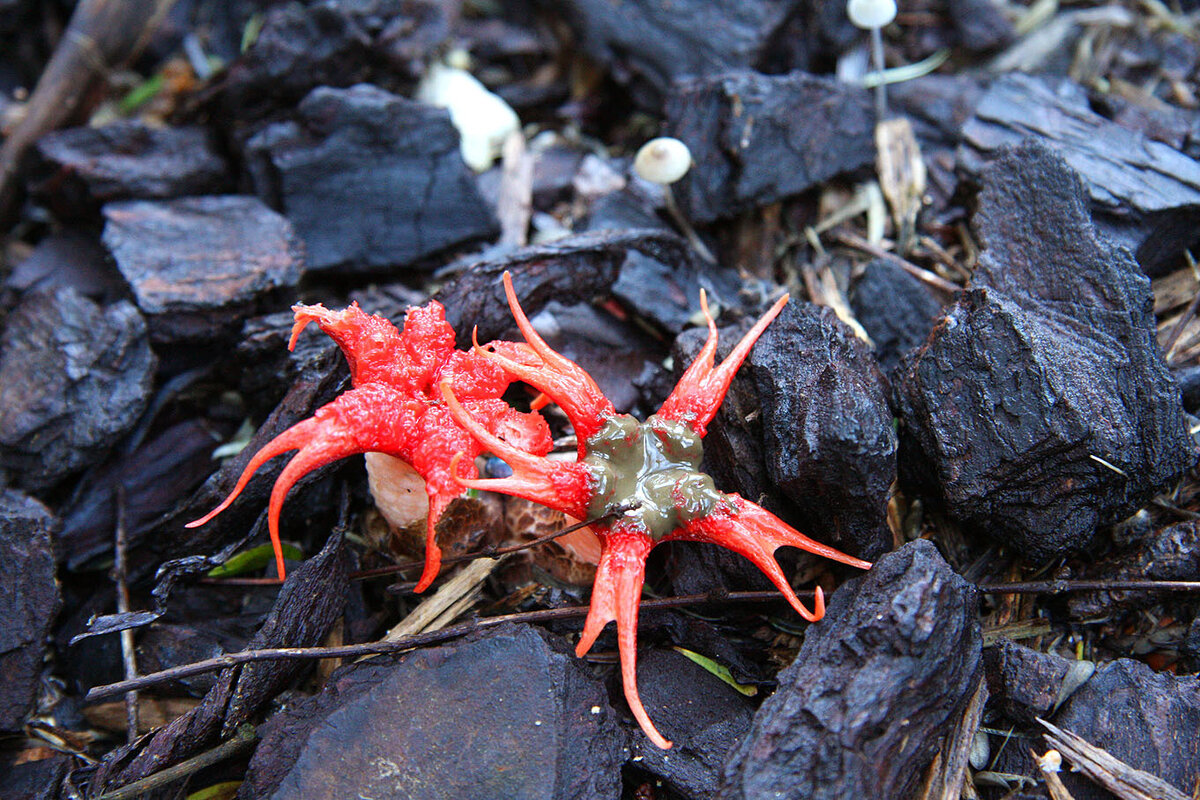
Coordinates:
<point>1107,770</point>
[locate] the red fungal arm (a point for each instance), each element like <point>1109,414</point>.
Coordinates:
<point>561,485</point>
<point>560,378</point>
<point>615,596</point>
<point>699,393</point>
<point>754,532</point>
<point>327,436</point>
<point>368,341</point>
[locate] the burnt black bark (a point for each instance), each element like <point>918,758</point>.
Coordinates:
<point>1144,718</point>
<point>311,599</point>
<point>650,44</point>
<point>752,148</point>
<point>371,180</point>
<point>81,169</point>
<point>507,714</point>
<point>74,378</point>
<point>1040,408</point>
<point>29,594</point>
<point>860,711</point>
<point>198,266</point>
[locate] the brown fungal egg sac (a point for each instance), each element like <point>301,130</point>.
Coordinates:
<point>571,558</point>
<point>655,464</point>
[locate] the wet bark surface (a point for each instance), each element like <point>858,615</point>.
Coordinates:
<point>984,380</point>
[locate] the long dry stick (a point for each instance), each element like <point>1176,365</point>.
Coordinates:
<point>102,35</point>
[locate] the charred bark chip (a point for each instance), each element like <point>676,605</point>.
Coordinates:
<point>200,264</point>
<point>860,711</point>
<point>333,43</point>
<point>981,25</point>
<point>650,44</point>
<point>751,148</point>
<point>1144,718</point>
<point>507,714</point>
<point>1122,170</point>
<point>83,168</point>
<point>1129,178</point>
<point>154,478</point>
<point>371,180</point>
<point>667,293</point>
<point>311,599</point>
<point>74,378</point>
<point>68,258</point>
<point>830,441</point>
<point>895,309</point>
<point>1040,407</point>
<point>806,429</point>
<point>316,387</point>
<point>1171,554</point>
<point>703,716</point>
<point>572,269</point>
<point>30,597</point>
<point>34,780</point>
<point>1023,684</point>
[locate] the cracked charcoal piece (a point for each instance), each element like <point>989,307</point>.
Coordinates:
<point>702,715</point>
<point>751,148</point>
<point>830,441</point>
<point>155,478</point>
<point>1122,170</point>
<point>83,168</point>
<point>1170,554</point>
<point>1139,186</point>
<point>1144,718</point>
<point>333,43</point>
<point>313,596</point>
<point>650,44</point>
<point>895,309</point>
<point>1051,365</point>
<point>74,378</point>
<point>67,258</point>
<point>509,713</point>
<point>667,293</point>
<point>860,711</point>
<point>201,263</point>
<point>370,180</point>
<point>806,422</point>
<point>572,269</point>
<point>981,25</point>
<point>1023,684</point>
<point>29,594</point>
<point>34,780</point>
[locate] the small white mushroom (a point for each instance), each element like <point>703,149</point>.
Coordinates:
<point>663,160</point>
<point>868,14</point>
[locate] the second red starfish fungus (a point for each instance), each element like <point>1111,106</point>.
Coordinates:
<point>395,407</point>
<point>654,465</point>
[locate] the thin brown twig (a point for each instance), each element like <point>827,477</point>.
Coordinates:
<point>546,615</point>
<point>1064,586</point>
<point>243,739</point>
<point>407,643</point>
<point>1180,325</point>
<point>859,243</point>
<point>120,577</point>
<point>487,552</point>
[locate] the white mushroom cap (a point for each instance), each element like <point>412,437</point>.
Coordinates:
<point>663,160</point>
<point>871,13</point>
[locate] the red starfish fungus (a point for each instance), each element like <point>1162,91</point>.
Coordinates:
<point>395,408</point>
<point>654,464</point>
